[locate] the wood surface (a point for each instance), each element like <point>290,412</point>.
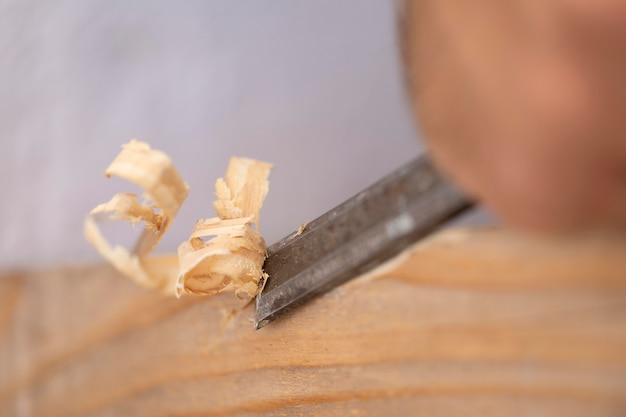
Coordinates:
<point>478,323</point>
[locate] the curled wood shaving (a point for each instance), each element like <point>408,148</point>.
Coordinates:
<point>225,252</point>
<point>232,255</point>
<point>153,171</point>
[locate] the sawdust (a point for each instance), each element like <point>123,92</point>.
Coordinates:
<point>302,228</point>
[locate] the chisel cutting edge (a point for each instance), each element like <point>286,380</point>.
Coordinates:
<point>356,236</point>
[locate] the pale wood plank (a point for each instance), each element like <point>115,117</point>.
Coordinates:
<point>480,323</point>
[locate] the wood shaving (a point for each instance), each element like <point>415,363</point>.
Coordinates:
<point>233,256</point>
<point>223,253</point>
<point>153,171</point>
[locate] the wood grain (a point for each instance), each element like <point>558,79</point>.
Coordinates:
<point>471,323</point>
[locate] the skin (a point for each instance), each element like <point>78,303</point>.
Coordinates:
<point>523,103</point>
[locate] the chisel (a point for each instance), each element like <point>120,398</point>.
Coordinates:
<point>356,236</point>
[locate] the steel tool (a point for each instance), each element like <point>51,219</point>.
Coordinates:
<point>356,236</point>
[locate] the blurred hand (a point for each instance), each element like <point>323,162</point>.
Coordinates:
<point>523,103</point>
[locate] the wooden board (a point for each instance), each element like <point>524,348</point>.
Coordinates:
<point>472,323</point>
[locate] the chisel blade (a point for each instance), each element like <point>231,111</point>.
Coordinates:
<point>356,236</point>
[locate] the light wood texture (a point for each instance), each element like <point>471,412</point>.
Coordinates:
<point>474,324</point>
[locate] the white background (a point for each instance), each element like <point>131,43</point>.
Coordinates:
<point>314,87</point>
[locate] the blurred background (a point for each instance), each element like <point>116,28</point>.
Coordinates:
<point>314,87</point>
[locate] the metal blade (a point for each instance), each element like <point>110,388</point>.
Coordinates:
<point>358,235</point>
